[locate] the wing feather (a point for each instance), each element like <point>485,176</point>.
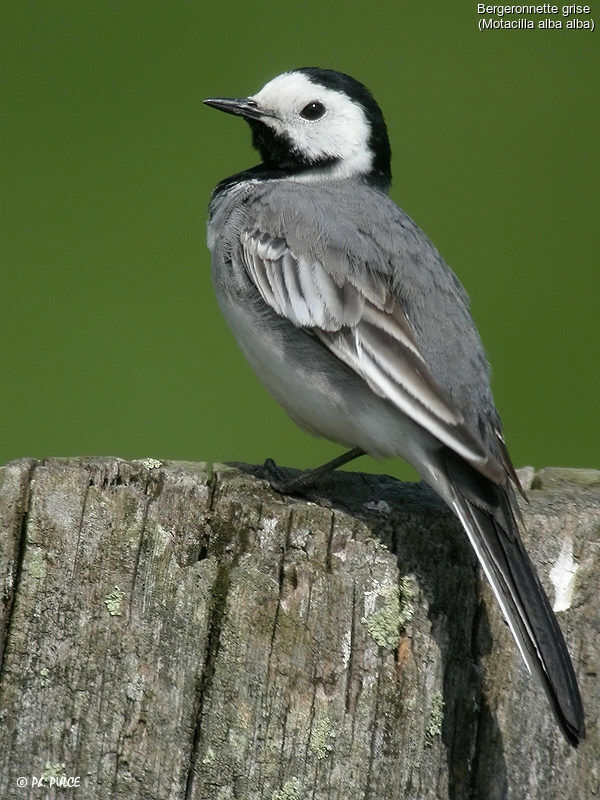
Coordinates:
<point>363,324</point>
<point>404,366</point>
<point>296,303</point>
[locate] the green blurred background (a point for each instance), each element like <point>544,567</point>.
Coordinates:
<point>112,343</point>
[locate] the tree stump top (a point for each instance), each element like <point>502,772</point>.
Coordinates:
<point>178,630</point>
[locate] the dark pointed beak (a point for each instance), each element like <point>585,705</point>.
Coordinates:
<point>240,106</point>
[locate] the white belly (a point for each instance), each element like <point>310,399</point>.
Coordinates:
<point>320,393</point>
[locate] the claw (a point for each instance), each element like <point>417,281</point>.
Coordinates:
<point>281,482</point>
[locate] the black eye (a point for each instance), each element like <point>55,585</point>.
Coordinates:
<point>314,110</point>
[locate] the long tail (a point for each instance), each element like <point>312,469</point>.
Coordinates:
<point>486,513</point>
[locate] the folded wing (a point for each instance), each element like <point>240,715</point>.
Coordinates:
<point>365,326</point>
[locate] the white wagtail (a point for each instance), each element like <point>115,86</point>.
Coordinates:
<point>355,324</point>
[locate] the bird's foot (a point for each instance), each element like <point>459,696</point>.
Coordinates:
<point>280,481</point>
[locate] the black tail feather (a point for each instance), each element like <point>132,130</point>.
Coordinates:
<point>486,511</point>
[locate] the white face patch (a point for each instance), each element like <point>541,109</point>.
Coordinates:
<point>342,132</point>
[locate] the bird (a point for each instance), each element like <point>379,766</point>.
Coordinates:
<point>355,324</point>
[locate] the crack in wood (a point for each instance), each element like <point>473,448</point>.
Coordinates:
<point>217,613</point>
<point>14,581</point>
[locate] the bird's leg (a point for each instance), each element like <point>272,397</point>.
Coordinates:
<point>284,485</point>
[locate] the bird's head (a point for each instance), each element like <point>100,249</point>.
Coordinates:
<point>316,123</point>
